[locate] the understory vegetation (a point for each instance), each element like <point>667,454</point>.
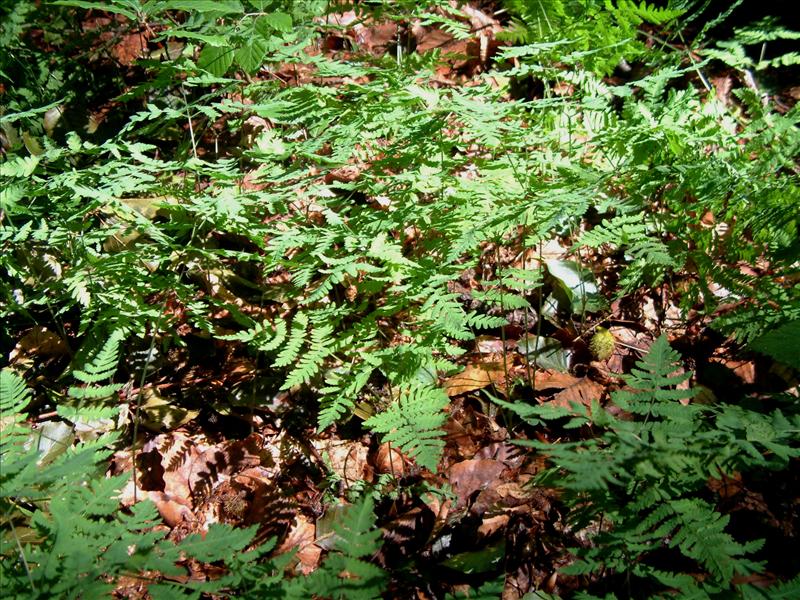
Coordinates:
<point>399,299</point>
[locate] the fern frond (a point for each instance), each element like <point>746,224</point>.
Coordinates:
<point>14,397</point>
<point>104,363</point>
<point>345,573</point>
<point>702,536</point>
<point>320,347</point>
<point>297,337</point>
<point>340,393</point>
<point>654,384</point>
<point>412,423</point>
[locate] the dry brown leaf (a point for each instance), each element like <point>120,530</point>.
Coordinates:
<point>476,377</point>
<point>582,392</point>
<point>38,342</point>
<point>302,536</point>
<point>512,492</point>
<point>438,506</point>
<point>390,460</point>
<point>347,459</point>
<point>492,525</point>
<point>745,370</point>
<point>173,509</point>
<point>722,88</point>
<point>509,454</point>
<point>129,49</point>
<point>554,380</point>
<point>490,345</point>
<point>468,476</point>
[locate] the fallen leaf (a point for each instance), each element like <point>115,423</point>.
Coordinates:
<point>492,525</point>
<point>745,370</point>
<point>552,379</point>
<point>157,412</point>
<point>39,342</point>
<point>302,537</point>
<point>584,391</point>
<point>173,509</point>
<point>390,460</point>
<point>476,377</point>
<point>469,476</point>
<point>489,345</point>
<point>347,459</point>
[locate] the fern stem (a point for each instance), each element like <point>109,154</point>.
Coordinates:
<point>139,397</point>
<point>21,552</point>
<point>502,308</point>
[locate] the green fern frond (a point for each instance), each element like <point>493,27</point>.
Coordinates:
<point>479,321</point>
<point>412,423</point>
<point>345,574</point>
<point>702,536</point>
<point>648,13</point>
<point>340,393</point>
<point>297,337</point>
<point>319,348</point>
<point>14,397</point>
<point>654,383</point>
<point>103,365</point>
<point>259,335</point>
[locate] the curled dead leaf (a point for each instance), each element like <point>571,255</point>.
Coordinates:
<point>302,537</point>
<point>583,392</point>
<point>38,342</point>
<point>476,377</point>
<point>348,459</point>
<point>173,509</point>
<point>469,476</point>
<point>390,460</point>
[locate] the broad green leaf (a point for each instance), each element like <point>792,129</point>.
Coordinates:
<point>548,353</point>
<point>204,6</point>
<point>484,560</point>
<point>251,55</point>
<point>112,8</point>
<point>577,283</point>
<point>277,21</point>
<point>215,60</point>
<point>782,344</point>
<point>211,40</point>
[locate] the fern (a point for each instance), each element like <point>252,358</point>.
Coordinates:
<point>665,451</point>
<point>102,366</point>
<point>345,573</point>
<point>14,397</point>
<point>82,542</point>
<point>412,423</point>
<point>319,349</point>
<point>260,337</point>
<point>297,337</point>
<point>734,52</point>
<point>780,344</point>
<point>340,393</point>
<point>144,225</point>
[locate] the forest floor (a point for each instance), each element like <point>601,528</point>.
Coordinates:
<point>203,455</point>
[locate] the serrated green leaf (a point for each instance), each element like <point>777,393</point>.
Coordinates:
<point>216,59</point>
<point>277,21</point>
<point>250,55</point>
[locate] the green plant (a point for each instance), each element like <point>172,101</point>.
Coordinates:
<point>346,572</point>
<point>63,531</point>
<point>640,482</point>
<point>413,423</point>
<point>322,223</point>
<point>597,35</point>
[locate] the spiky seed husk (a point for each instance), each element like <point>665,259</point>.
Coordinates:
<point>602,344</point>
